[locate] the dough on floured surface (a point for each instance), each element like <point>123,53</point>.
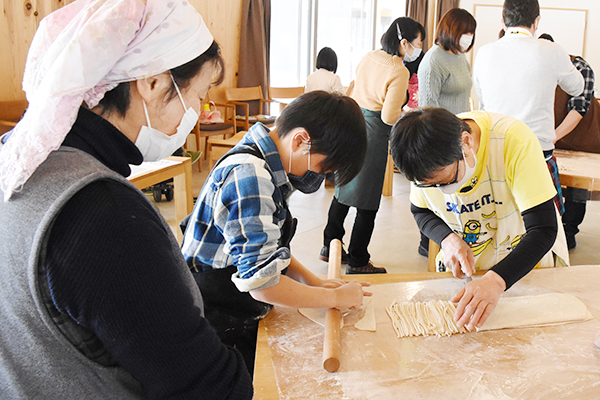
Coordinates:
<point>362,318</point>
<point>437,317</point>
<point>368,321</point>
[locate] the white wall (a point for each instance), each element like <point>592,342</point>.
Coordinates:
<point>591,50</point>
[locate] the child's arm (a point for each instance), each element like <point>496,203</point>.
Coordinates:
<point>291,293</point>
<point>300,273</point>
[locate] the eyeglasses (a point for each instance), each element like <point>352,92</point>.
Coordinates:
<point>437,185</point>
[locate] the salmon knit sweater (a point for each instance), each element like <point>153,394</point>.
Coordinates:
<point>381,85</point>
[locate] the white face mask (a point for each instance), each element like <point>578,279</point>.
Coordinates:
<point>416,52</point>
<point>469,172</point>
<point>155,145</point>
<point>465,42</point>
<point>412,57</point>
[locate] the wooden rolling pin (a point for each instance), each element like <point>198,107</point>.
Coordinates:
<point>332,340</point>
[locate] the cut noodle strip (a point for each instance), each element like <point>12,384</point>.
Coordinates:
<point>424,318</point>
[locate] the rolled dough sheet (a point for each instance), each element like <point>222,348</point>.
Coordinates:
<point>540,310</point>
<point>363,318</point>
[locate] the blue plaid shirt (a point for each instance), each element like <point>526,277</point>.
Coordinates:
<point>239,213</point>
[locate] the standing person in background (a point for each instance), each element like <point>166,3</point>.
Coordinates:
<point>97,300</point>
<point>445,74</point>
<point>324,78</point>
<point>580,123</point>
<point>518,74</point>
<point>413,82</point>
<point>381,92</point>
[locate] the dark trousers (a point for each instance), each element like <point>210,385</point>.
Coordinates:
<point>233,314</point>
<point>358,255</point>
<point>575,204</point>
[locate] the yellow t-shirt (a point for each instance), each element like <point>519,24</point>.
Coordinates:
<point>511,176</point>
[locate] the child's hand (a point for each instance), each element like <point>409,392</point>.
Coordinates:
<point>350,295</point>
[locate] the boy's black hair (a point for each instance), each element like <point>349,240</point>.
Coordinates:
<point>520,12</point>
<point>425,140</point>
<point>118,99</point>
<point>327,59</point>
<point>409,29</point>
<point>336,127</point>
<point>546,36</point>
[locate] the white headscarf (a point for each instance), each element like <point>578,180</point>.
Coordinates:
<point>84,50</point>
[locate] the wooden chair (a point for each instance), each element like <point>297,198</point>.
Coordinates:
<point>203,131</point>
<point>10,113</point>
<point>350,89</point>
<point>241,97</point>
<point>218,147</point>
<point>284,95</point>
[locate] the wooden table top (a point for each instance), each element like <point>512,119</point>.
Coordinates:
<point>578,169</point>
<point>527,363</point>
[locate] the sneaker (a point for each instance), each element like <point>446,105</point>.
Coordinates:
<point>423,251</point>
<point>571,242</point>
<point>367,269</point>
<point>324,255</point>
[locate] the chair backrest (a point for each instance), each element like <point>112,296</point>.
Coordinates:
<point>10,113</point>
<point>244,94</point>
<point>350,89</point>
<point>285,92</point>
<point>12,110</point>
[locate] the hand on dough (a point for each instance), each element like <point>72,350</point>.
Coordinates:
<point>477,300</point>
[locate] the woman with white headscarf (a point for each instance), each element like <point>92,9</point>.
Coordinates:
<point>97,301</point>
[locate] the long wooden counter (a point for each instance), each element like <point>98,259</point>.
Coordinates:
<point>528,363</point>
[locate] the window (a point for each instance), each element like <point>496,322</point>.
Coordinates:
<point>300,28</point>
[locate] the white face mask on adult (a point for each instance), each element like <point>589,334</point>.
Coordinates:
<point>469,172</point>
<point>154,144</point>
<point>416,52</point>
<point>465,42</point>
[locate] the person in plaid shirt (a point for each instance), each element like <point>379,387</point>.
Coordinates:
<point>577,108</point>
<point>237,238</point>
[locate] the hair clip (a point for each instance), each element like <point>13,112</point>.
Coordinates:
<point>399,32</point>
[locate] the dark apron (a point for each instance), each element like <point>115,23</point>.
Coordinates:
<point>364,191</point>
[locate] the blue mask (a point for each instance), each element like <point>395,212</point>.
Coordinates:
<point>310,181</point>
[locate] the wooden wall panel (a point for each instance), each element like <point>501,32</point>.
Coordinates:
<point>224,19</point>
<point>18,21</point>
<point>20,18</point>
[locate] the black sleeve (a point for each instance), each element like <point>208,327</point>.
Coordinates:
<point>430,224</point>
<point>111,267</point>
<point>541,229</point>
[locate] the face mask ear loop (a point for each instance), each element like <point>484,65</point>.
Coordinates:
<point>290,166</point>
<point>178,92</point>
<point>146,112</point>
<point>309,144</point>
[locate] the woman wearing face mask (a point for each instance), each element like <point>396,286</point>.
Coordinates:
<point>96,289</point>
<point>381,91</point>
<point>444,74</point>
<point>237,239</point>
